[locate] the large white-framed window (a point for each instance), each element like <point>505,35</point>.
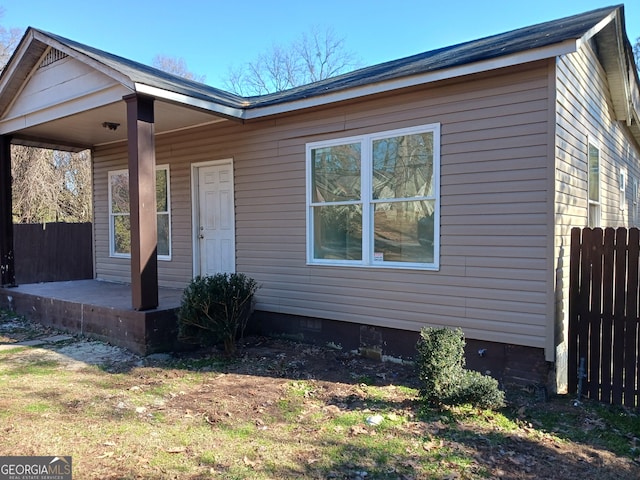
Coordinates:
<point>374,200</point>
<point>119,213</point>
<point>593,185</point>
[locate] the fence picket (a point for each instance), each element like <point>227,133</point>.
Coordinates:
<point>618,315</point>
<point>574,300</point>
<point>594,313</point>
<point>631,320</point>
<point>607,314</point>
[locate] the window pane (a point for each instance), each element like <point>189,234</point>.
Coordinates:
<point>404,232</point>
<point>594,215</point>
<point>120,193</point>
<point>163,234</point>
<point>403,166</point>
<point>336,173</point>
<point>122,234</point>
<point>161,191</point>
<point>594,174</point>
<point>338,232</point>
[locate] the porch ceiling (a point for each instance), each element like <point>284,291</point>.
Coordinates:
<point>86,129</point>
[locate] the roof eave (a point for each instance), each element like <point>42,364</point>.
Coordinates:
<point>568,46</point>
<point>186,100</point>
<point>617,60</point>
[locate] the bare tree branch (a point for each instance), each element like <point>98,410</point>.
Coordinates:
<point>176,66</point>
<point>317,55</point>
<point>9,39</point>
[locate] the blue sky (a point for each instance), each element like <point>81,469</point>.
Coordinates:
<point>212,35</point>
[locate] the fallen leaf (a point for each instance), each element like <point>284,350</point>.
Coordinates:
<point>332,409</point>
<point>248,462</point>
<point>106,455</point>
<point>432,444</point>
<point>109,444</point>
<point>358,430</point>
<point>175,449</point>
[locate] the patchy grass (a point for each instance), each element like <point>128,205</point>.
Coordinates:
<point>286,410</point>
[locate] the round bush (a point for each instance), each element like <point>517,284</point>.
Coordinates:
<point>216,309</point>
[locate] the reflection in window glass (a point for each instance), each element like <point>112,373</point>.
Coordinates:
<point>122,235</point>
<point>338,232</point>
<point>120,193</point>
<point>593,219</point>
<point>162,191</point>
<point>336,173</point>
<point>163,234</point>
<point>403,232</point>
<point>594,174</point>
<point>403,166</point>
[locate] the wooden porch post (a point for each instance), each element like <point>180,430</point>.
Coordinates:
<point>7,263</point>
<point>142,201</point>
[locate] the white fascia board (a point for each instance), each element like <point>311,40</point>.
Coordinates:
<point>563,48</point>
<point>187,100</point>
<point>634,94</point>
<point>627,79</point>
<point>11,68</point>
<point>597,27</point>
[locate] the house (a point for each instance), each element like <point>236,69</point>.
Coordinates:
<point>437,189</point>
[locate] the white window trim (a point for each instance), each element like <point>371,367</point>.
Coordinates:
<point>112,252</point>
<point>366,180</point>
<point>598,204</point>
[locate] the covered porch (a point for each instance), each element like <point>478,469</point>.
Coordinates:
<point>100,310</point>
<point>56,93</point>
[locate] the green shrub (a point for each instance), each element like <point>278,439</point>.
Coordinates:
<point>479,390</point>
<point>440,363</point>
<point>443,378</point>
<point>215,309</point>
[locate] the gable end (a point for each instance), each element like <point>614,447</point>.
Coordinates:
<point>52,56</point>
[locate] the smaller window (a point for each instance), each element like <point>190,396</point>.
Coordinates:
<point>634,201</point>
<point>623,189</point>
<point>593,219</point>
<point>119,214</point>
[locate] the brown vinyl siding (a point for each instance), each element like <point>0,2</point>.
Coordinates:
<point>583,114</point>
<point>493,279</point>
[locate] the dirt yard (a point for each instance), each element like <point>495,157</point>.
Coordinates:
<point>282,409</point>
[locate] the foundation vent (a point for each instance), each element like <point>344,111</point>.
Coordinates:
<point>52,56</point>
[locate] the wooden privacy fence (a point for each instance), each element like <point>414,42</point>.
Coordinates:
<point>52,252</point>
<point>603,314</point>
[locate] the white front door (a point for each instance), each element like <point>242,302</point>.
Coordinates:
<point>215,225</point>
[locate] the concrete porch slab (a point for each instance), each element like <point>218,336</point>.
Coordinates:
<point>100,310</point>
